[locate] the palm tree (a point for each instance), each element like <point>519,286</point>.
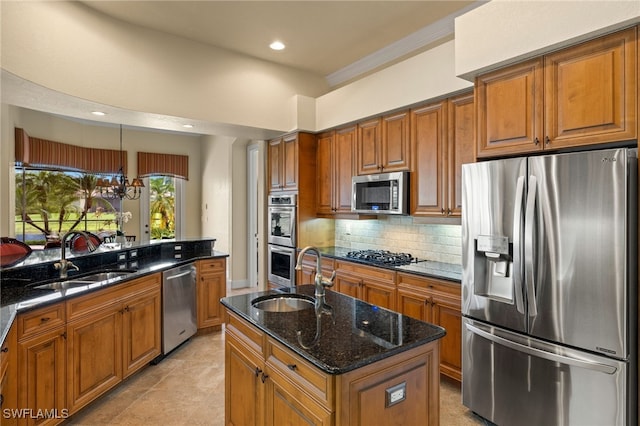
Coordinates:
<point>85,187</point>
<point>162,196</point>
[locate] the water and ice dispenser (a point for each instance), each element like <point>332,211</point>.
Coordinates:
<point>493,263</point>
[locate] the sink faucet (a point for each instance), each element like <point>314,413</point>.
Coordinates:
<point>320,281</point>
<point>63,265</point>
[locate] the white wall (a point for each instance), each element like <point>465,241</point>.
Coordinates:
<point>502,32</point>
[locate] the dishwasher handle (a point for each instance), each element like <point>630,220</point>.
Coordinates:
<point>172,277</point>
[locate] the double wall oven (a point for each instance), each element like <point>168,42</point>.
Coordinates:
<point>281,250</point>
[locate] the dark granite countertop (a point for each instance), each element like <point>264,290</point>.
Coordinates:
<point>427,268</point>
<point>17,292</point>
<point>352,333</point>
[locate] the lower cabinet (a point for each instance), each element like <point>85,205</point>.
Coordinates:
<point>9,376</point>
<point>437,302</point>
<point>111,334</point>
<point>211,287</point>
<point>376,286</point>
<point>307,274</point>
<point>268,384</point>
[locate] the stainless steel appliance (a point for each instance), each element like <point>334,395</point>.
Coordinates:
<point>382,257</point>
<point>383,193</point>
<point>281,265</point>
<point>178,306</point>
<point>282,220</point>
<point>549,296</point>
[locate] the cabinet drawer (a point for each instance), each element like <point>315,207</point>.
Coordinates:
<point>367,271</point>
<point>211,265</point>
<point>82,305</point>
<point>430,284</point>
<point>249,335</point>
<point>307,377</point>
<point>41,320</point>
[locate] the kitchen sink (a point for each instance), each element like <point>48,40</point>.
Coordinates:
<point>283,302</point>
<point>84,280</point>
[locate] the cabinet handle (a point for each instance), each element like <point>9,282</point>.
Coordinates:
<point>64,335</point>
<point>547,141</point>
<point>5,350</point>
<point>536,141</point>
<point>292,367</point>
<point>264,377</point>
<point>1,399</point>
<point>258,371</point>
<point>44,319</point>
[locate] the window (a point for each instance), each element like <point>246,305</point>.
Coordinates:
<point>162,207</point>
<point>51,202</point>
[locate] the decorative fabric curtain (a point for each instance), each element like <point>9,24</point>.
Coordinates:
<point>32,151</point>
<point>150,163</point>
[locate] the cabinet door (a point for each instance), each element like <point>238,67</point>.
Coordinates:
<point>368,151</point>
<point>141,331</point>
<point>287,405</point>
<point>325,173</point>
<point>396,142</point>
<point>349,285</point>
<point>378,294</point>
<point>244,390</point>
<point>509,110</point>
<point>9,375</point>
<point>42,380</point>
<point>344,153</point>
<point>94,355</point>
<point>460,150</point>
<point>428,146</point>
<point>414,304</point>
<point>211,288</point>
<point>590,92</point>
<point>275,154</point>
<point>290,162</point>
<point>447,314</point>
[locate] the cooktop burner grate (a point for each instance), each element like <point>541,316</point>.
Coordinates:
<point>382,257</point>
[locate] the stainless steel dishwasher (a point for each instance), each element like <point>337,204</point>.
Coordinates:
<point>178,306</point>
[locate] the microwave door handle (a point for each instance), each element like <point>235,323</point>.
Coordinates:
<point>530,278</point>
<point>517,249</point>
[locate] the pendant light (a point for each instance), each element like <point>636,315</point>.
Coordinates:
<point>119,187</point>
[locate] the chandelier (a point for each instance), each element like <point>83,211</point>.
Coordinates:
<point>119,187</point>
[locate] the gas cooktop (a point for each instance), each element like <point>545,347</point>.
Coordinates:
<point>382,257</point>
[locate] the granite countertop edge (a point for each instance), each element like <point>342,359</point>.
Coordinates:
<point>438,333</point>
<point>9,312</point>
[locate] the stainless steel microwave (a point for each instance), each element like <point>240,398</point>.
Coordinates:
<point>382,193</point>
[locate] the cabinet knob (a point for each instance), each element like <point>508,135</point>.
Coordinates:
<point>292,367</point>
<point>64,335</point>
<point>264,377</point>
<point>5,350</point>
<point>258,371</point>
<point>547,141</point>
<point>536,141</point>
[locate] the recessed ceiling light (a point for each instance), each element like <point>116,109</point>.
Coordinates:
<point>188,126</point>
<point>277,45</point>
<point>98,113</point>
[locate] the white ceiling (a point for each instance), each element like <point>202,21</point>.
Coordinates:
<point>339,40</point>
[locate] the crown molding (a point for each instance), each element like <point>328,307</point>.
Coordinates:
<point>423,37</point>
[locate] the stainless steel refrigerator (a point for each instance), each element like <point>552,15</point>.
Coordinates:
<point>549,296</point>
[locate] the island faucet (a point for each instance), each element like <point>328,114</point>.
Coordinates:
<point>320,281</point>
<point>63,265</point>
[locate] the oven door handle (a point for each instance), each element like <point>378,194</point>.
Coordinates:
<point>284,250</point>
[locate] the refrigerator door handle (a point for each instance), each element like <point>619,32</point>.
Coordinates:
<point>539,353</point>
<point>517,249</point>
<point>530,278</point>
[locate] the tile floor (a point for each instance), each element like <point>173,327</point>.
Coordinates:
<point>187,388</point>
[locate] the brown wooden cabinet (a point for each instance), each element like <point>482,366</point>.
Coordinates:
<point>373,285</point>
<point>442,139</point>
<point>437,302</point>
<point>211,287</point>
<point>383,144</point>
<point>335,168</point>
<point>9,376</point>
<point>285,155</point>
<point>111,334</point>
<point>42,364</point>
<point>581,95</point>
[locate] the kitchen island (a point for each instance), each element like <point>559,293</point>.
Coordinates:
<point>344,363</point>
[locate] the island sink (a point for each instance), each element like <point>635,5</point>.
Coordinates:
<point>283,303</point>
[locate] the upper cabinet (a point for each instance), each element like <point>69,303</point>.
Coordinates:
<point>581,95</point>
<point>285,159</point>
<point>460,147</point>
<point>383,144</point>
<point>335,158</point>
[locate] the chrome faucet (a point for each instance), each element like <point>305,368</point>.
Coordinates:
<point>63,265</point>
<point>320,281</point>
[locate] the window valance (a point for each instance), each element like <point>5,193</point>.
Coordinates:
<point>32,151</point>
<point>150,163</point>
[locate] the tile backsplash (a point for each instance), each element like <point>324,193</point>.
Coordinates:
<point>440,243</point>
